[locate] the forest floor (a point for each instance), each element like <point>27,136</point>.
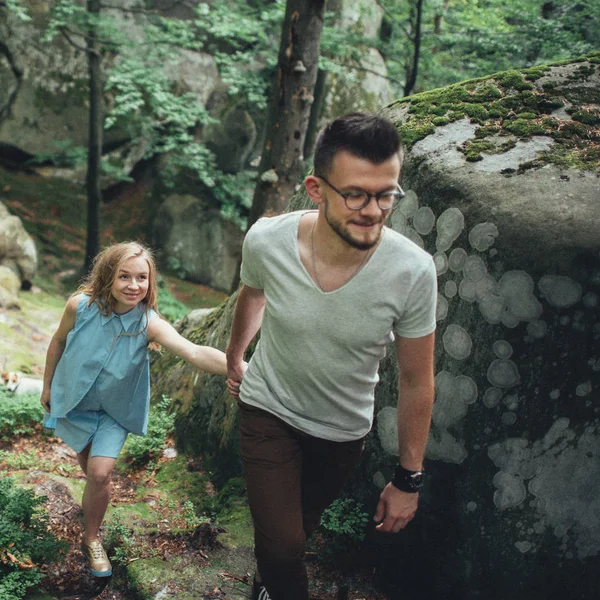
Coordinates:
<point>219,550</point>
<point>223,570</point>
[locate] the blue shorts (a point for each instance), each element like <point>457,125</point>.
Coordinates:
<point>80,427</point>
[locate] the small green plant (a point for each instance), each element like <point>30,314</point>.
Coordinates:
<point>19,414</point>
<point>191,519</point>
<point>118,539</point>
<point>66,154</point>
<point>343,526</point>
<point>169,307</point>
<point>141,449</point>
<point>24,540</point>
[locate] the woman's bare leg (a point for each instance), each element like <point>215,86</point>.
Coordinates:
<point>96,494</point>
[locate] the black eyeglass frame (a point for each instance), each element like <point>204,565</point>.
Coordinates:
<point>401,193</point>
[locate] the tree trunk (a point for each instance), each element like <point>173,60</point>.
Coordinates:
<point>411,79</point>
<point>438,18</point>
<point>315,114</point>
<point>94,194</point>
<point>292,95</point>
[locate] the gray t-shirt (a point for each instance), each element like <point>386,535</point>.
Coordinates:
<point>316,363</point>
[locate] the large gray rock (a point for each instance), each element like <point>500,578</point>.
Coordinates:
<point>232,138</point>
<point>44,86</point>
<point>511,507</point>
<point>508,202</point>
<point>198,241</point>
<point>17,248</point>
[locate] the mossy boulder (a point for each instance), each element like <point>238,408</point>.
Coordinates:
<point>510,508</point>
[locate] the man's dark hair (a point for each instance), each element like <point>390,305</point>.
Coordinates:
<point>371,137</point>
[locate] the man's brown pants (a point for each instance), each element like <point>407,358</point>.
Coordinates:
<point>291,478</point>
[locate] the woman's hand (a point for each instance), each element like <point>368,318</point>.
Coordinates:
<point>235,375</point>
<point>45,400</point>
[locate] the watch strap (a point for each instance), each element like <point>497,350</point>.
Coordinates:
<point>406,480</point>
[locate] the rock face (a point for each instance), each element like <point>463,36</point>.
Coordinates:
<point>512,504</point>
<point>508,203</point>
<point>44,88</point>
<point>194,236</point>
<point>17,250</point>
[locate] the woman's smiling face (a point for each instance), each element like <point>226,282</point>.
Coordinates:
<point>131,284</point>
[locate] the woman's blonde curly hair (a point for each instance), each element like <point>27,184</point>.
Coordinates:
<point>98,284</point>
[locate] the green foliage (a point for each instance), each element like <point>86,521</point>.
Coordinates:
<point>19,415</point>
<point>18,9</point>
<point>171,308</point>
<point>141,449</point>
<point>475,39</point>
<point>66,155</point>
<point>343,526</point>
<point>24,540</point>
<point>119,539</point>
<point>241,35</point>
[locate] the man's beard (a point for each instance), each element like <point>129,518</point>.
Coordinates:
<point>344,233</point>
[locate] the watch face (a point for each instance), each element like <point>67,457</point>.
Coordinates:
<point>417,479</point>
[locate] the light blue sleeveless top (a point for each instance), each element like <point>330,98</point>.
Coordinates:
<point>102,368</point>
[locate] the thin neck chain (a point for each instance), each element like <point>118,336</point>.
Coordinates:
<point>314,262</point>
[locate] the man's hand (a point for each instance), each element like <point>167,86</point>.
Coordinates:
<point>235,374</point>
<point>45,400</point>
<point>395,509</point>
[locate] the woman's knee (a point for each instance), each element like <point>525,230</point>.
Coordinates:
<point>99,471</point>
<point>100,478</point>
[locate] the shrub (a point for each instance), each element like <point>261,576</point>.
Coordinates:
<point>24,539</point>
<point>19,414</point>
<point>119,540</point>
<point>343,527</point>
<point>142,449</point>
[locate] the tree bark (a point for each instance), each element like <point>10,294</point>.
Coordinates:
<point>413,69</point>
<point>292,95</point>
<point>438,18</point>
<point>315,114</point>
<point>96,119</point>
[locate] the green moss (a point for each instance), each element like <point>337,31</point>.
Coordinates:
<point>550,124</point>
<point>178,483</point>
<point>587,116</point>
<point>508,104</point>
<point>570,131</point>
<point>524,127</point>
<point>477,112</point>
<point>512,79</point>
<point>237,522</point>
<point>411,134</point>
<point>534,73</point>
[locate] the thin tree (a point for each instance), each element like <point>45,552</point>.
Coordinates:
<point>412,68</point>
<point>292,95</point>
<point>96,128</point>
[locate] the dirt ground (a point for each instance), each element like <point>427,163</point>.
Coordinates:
<point>70,578</point>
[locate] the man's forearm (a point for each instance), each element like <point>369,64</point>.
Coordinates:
<point>415,405</point>
<point>247,319</point>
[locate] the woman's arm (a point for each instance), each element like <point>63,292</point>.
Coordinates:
<point>57,347</point>
<point>204,358</point>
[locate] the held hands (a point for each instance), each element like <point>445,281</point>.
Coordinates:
<point>395,509</point>
<point>45,400</point>
<point>235,374</point>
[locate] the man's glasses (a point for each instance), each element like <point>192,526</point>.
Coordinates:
<point>359,199</point>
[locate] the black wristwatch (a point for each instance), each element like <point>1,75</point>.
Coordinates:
<point>407,481</point>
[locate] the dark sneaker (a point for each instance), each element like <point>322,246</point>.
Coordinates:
<point>99,564</point>
<point>259,591</point>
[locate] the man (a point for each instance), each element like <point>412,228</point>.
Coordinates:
<point>331,289</point>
